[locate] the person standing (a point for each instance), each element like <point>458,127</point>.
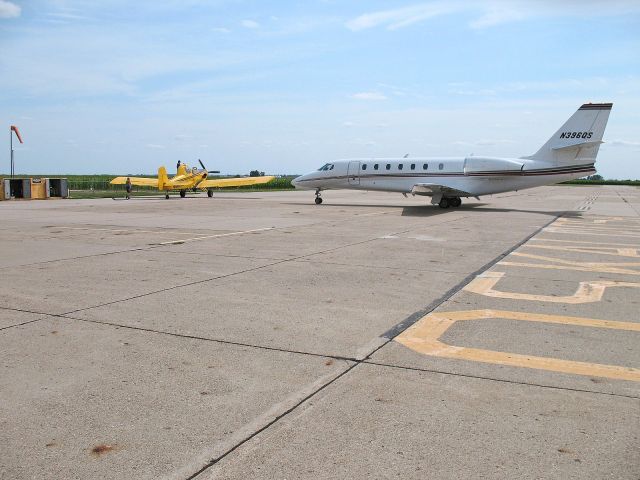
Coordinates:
<point>127,186</point>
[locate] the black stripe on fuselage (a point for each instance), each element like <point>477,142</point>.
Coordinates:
<point>507,173</point>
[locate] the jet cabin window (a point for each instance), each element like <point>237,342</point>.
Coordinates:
<point>441,166</point>
<point>375,167</point>
<point>325,167</point>
<point>413,166</point>
<point>400,166</point>
<point>388,167</point>
<point>364,166</point>
<point>425,166</point>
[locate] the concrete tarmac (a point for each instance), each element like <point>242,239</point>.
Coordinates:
<point>261,336</point>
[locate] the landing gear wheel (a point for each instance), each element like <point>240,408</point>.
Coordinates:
<point>455,202</point>
<point>318,197</point>
<point>166,196</point>
<point>444,202</point>
<point>183,193</point>
<point>209,193</point>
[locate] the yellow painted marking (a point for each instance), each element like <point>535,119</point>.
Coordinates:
<point>595,228</point>
<point>587,292</point>
<point>620,252</point>
<point>606,220</point>
<point>584,232</point>
<point>555,240</point>
<point>595,220</point>
<point>561,264</point>
<point>195,239</point>
<point>423,337</point>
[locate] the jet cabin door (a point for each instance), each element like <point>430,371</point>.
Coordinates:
<point>353,173</point>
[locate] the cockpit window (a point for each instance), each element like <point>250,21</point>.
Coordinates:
<point>325,167</point>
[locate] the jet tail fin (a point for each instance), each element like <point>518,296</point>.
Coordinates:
<point>163,178</point>
<point>577,142</point>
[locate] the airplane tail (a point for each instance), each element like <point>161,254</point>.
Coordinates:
<point>163,179</point>
<point>578,140</point>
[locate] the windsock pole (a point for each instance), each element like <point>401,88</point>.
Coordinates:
<point>12,129</point>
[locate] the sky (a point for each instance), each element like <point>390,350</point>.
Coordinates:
<point>285,86</point>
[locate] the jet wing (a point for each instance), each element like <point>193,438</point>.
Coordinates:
<point>234,182</point>
<point>142,182</point>
<point>434,189</point>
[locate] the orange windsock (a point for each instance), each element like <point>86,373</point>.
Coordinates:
<point>15,129</point>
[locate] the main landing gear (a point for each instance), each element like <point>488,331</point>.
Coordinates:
<point>166,195</point>
<point>183,193</point>
<point>209,193</point>
<point>446,202</point>
<point>318,197</point>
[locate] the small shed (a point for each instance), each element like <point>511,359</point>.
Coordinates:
<point>33,188</point>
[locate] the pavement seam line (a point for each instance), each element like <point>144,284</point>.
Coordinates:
<point>493,379</point>
<point>197,282</point>
<point>628,203</point>
<point>20,324</point>
<point>160,246</point>
<point>206,339</point>
<point>414,317</point>
<point>220,457</point>
<point>154,246</point>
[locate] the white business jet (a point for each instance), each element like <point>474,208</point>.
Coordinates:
<point>569,154</point>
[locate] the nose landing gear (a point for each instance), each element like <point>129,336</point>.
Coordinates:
<point>318,197</point>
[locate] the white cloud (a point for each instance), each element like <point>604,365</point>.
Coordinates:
<point>9,10</point>
<point>183,137</point>
<point>487,142</point>
<point>401,17</point>
<point>491,13</point>
<point>369,96</point>
<point>497,16</point>
<point>623,143</point>
<point>66,16</point>
<point>155,146</point>
<point>363,142</point>
<point>250,24</point>
<point>220,30</point>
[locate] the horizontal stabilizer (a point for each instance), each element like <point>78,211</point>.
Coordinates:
<point>580,145</point>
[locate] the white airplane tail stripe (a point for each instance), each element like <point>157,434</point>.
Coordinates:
<point>577,142</point>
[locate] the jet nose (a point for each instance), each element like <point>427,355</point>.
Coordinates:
<point>295,182</point>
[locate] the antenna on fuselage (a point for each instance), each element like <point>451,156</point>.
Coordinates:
<point>406,155</point>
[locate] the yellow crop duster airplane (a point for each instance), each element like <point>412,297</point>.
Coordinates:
<point>189,179</point>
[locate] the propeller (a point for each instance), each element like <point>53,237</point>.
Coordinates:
<point>205,168</point>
